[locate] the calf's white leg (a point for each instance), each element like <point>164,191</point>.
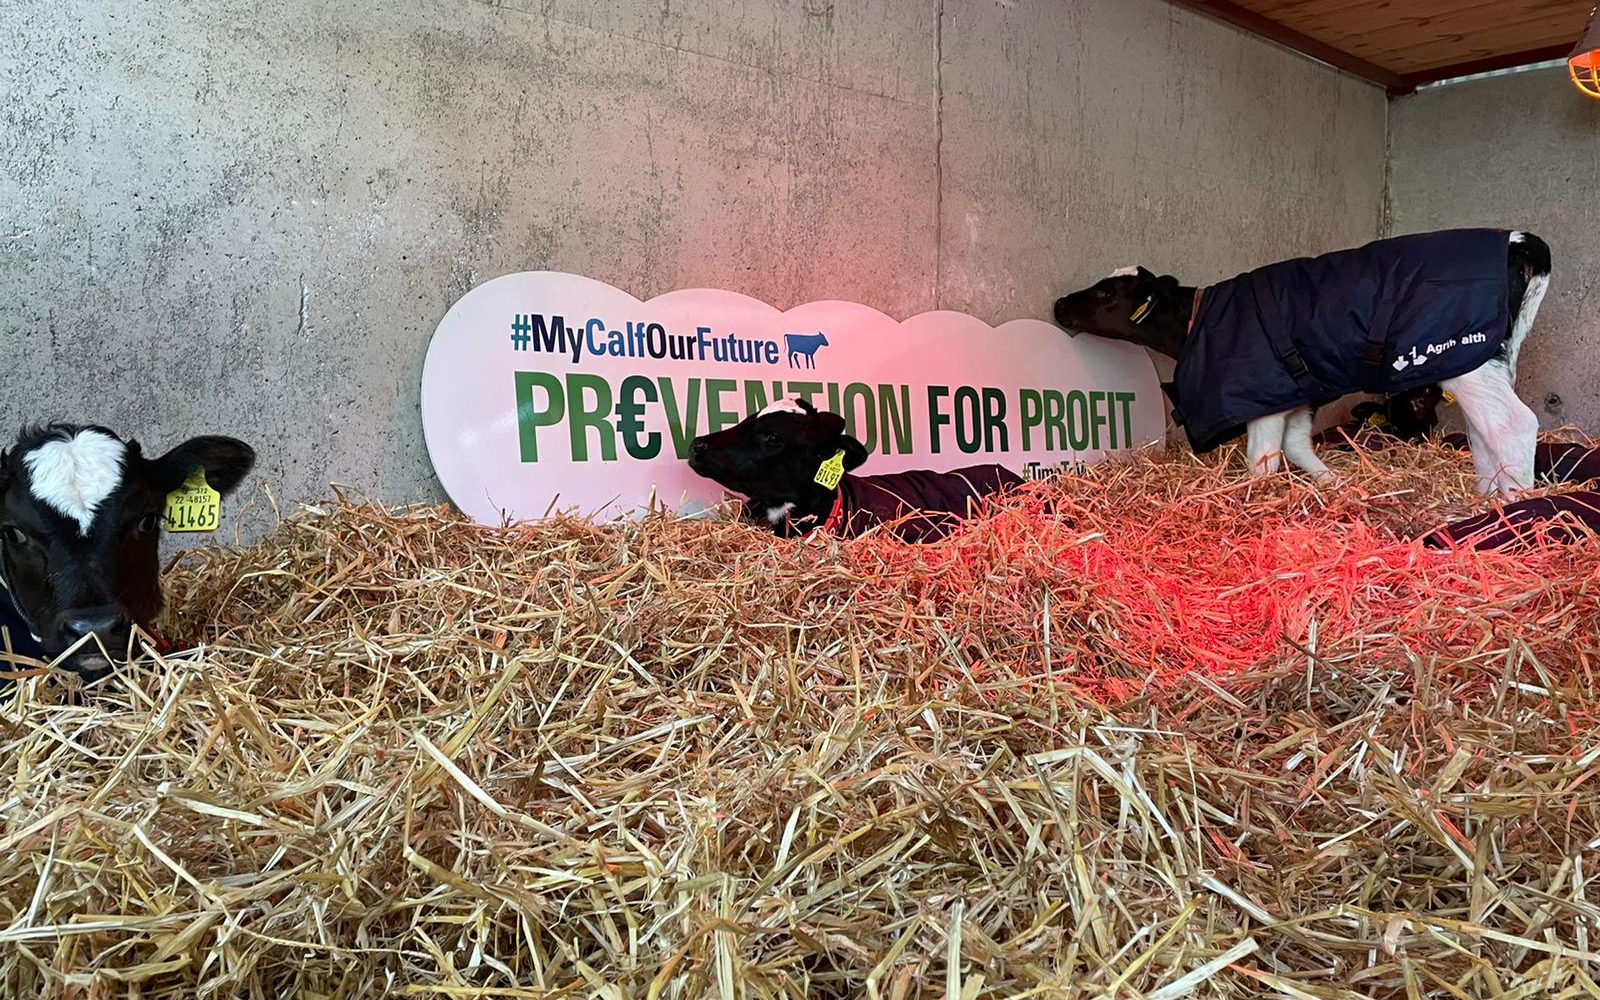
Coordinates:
<point>1503,431</point>
<point>1297,445</point>
<point>1264,443</point>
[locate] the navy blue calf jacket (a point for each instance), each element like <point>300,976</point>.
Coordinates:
<point>1387,317</point>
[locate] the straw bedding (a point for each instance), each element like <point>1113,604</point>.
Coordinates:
<point>1160,732</point>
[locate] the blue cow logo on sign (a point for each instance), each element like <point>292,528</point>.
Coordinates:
<point>804,345</point>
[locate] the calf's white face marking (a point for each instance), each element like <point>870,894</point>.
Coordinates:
<point>74,476</point>
<point>1125,272</point>
<point>789,405</point>
<point>776,515</point>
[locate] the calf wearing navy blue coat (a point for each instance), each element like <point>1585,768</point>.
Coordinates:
<point>1258,353</point>
<point>774,458</point>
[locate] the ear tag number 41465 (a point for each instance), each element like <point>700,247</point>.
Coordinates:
<point>194,506</point>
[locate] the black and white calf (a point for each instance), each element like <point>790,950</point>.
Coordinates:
<point>80,529</point>
<point>782,457</point>
<point>1259,352</point>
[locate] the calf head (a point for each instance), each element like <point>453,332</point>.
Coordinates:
<point>1414,414</point>
<point>80,529</point>
<point>773,458</point>
<point>1411,415</point>
<point>1132,305</point>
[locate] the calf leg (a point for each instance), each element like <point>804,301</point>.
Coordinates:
<point>1503,431</point>
<point>1297,446</point>
<point>1264,443</point>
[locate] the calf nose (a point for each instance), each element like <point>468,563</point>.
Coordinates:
<point>1061,317</point>
<point>107,623</point>
<point>698,447</point>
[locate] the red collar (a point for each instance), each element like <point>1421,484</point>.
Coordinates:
<point>162,645</point>
<point>835,522</point>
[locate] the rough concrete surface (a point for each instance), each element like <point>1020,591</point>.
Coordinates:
<point>1523,152</point>
<point>246,217</point>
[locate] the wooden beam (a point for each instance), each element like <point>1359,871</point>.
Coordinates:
<point>1249,20</point>
<point>1510,60</point>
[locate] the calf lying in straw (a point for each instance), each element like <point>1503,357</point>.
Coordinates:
<point>792,460</point>
<point>1257,353</point>
<point>1410,416</point>
<point>1563,517</point>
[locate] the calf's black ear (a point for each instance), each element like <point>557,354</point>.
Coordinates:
<point>826,433</point>
<point>225,459</point>
<point>823,427</point>
<point>855,453</point>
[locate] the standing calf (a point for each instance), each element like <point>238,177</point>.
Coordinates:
<point>783,458</point>
<point>80,530</point>
<point>1258,353</point>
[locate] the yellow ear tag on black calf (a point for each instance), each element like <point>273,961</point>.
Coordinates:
<point>830,472</point>
<point>194,506</point>
<point>1449,398</point>
<point>1143,312</point>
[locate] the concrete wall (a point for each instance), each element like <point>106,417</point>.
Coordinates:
<point>1520,151</point>
<point>247,217</point>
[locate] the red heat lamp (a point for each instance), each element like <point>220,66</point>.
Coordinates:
<point>1584,63</point>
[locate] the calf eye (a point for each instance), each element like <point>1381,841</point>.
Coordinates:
<point>149,522</point>
<point>14,535</point>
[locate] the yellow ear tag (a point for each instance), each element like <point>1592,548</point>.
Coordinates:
<point>1449,399</point>
<point>830,472</point>
<point>1375,420</point>
<point>1143,311</point>
<point>194,506</point>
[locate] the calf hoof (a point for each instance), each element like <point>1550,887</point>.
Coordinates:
<point>1499,489</point>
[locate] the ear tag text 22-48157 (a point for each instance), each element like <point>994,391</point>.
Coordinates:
<point>194,506</point>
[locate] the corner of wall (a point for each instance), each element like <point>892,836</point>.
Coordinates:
<point>1386,201</point>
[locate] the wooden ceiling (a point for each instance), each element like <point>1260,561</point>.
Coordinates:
<point>1402,44</point>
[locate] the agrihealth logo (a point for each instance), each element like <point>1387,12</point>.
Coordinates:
<point>546,391</point>
<point>594,337</point>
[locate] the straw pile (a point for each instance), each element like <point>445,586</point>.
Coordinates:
<point>1182,734</point>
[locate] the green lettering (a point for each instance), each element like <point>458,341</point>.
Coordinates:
<point>1031,403</point>
<point>1126,399</point>
<point>805,390</point>
<point>895,418</point>
<point>582,419</point>
<point>681,423</point>
<point>629,418</point>
<point>969,424</point>
<point>756,398</point>
<point>936,419</point>
<point>994,421</point>
<point>716,417</point>
<point>1097,419</point>
<point>1078,420</point>
<point>529,416</point>
<point>864,429</point>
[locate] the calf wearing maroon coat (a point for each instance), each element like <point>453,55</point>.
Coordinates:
<point>784,458</point>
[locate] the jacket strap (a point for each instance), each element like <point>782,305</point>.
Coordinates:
<point>1373,376</point>
<point>1281,339</point>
